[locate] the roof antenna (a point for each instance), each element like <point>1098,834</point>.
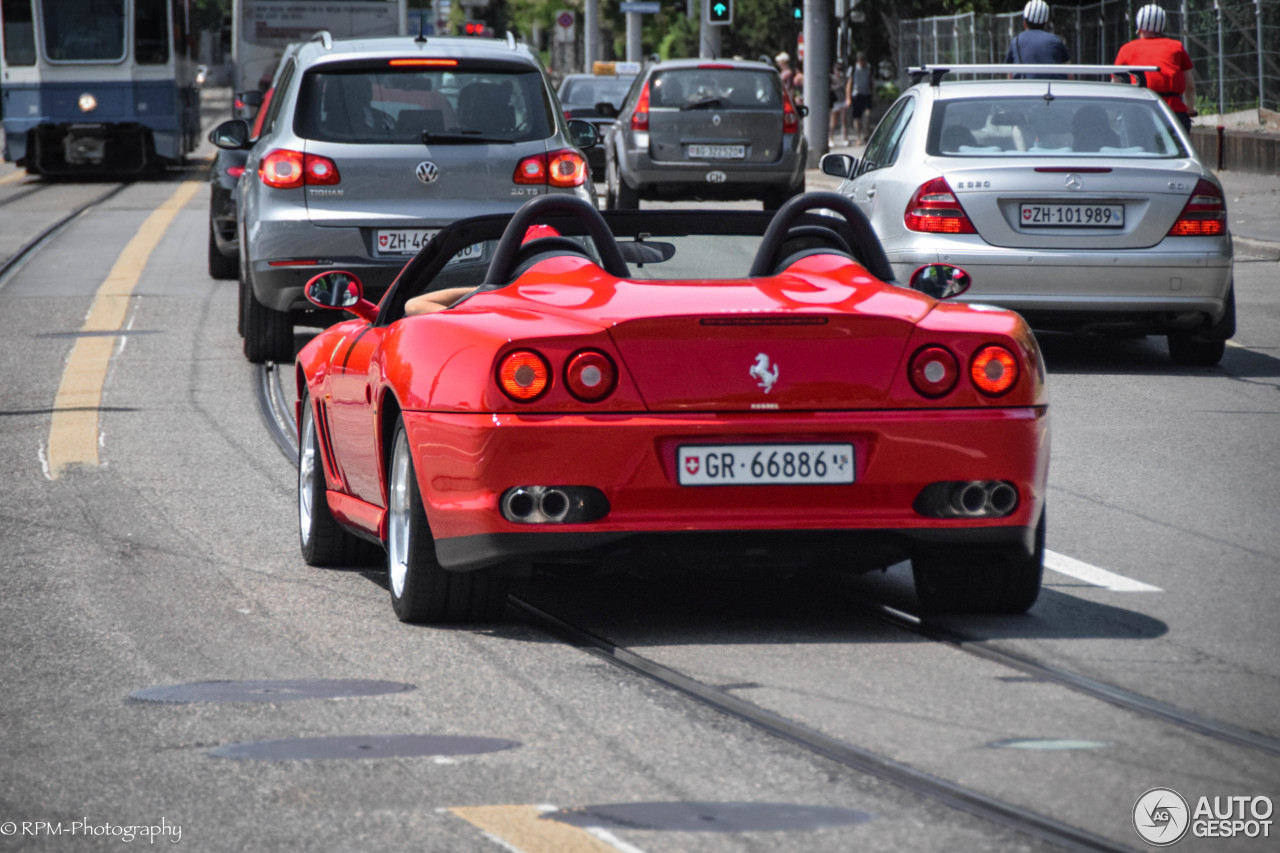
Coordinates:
<point>1048,92</point>
<point>422,26</point>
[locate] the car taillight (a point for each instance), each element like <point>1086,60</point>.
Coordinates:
<point>935,209</point>
<point>283,169</point>
<point>235,171</point>
<point>523,375</point>
<point>934,371</point>
<point>565,168</point>
<point>994,370</point>
<point>590,375</point>
<point>1205,214</point>
<point>640,115</point>
<point>790,118</point>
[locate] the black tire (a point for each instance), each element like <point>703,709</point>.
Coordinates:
<point>623,197</point>
<point>323,541</point>
<point>421,589</point>
<point>268,334</point>
<point>1207,347</point>
<point>220,266</point>
<point>242,308</point>
<point>980,582</point>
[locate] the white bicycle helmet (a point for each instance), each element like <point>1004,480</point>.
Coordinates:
<point>1036,12</point>
<point>1150,19</point>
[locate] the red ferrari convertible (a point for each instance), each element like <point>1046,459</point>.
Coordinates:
<point>671,386</point>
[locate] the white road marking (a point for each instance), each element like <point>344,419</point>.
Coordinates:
<point>1065,565</point>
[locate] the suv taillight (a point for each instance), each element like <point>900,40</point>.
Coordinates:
<point>565,168</point>
<point>283,169</point>
<point>640,115</point>
<point>935,209</point>
<point>790,118</point>
<point>1205,214</point>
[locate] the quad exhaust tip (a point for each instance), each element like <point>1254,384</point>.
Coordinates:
<point>968,499</point>
<point>553,504</point>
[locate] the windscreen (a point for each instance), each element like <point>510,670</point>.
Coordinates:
<point>1061,126</point>
<point>83,30</point>
<point>400,105</point>
<point>589,91</point>
<point>724,88</point>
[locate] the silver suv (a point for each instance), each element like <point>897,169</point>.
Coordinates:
<point>369,146</point>
<point>706,129</point>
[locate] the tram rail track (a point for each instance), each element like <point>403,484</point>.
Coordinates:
<point>29,249</point>
<point>278,415</point>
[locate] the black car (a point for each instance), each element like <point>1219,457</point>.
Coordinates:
<point>596,98</point>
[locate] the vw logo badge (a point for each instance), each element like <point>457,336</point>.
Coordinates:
<point>427,172</point>
<point>716,177</point>
<point>1075,182</point>
<point>715,119</point>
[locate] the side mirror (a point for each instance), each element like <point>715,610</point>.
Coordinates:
<point>802,111</point>
<point>233,135</point>
<point>583,134</point>
<point>838,165</point>
<point>941,281</point>
<point>342,290</point>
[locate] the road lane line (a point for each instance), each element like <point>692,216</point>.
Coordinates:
<point>73,432</point>
<point>14,176</point>
<point>1065,565</point>
<point>521,829</point>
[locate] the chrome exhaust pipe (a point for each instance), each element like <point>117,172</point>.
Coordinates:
<point>1002,499</point>
<point>554,504</point>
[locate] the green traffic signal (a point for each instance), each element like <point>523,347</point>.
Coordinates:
<point>797,10</point>
<point>720,12</point>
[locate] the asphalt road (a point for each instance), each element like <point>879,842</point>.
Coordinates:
<point>172,559</point>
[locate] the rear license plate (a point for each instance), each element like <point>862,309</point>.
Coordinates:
<point>1073,215</point>
<point>764,464</point>
<point>717,152</point>
<point>402,241</point>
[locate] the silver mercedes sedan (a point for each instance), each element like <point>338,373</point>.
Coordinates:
<point>1081,205</point>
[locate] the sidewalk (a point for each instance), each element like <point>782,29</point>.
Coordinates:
<point>1253,206</point>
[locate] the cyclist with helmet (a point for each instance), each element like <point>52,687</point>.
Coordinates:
<point>1035,45</point>
<point>1175,81</point>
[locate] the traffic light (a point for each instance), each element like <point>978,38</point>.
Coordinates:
<point>797,11</point>
<point>477,28</point>
<point>719,11</point>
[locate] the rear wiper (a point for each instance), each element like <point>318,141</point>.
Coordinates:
<point>712,101</point>
<point>463,138</point>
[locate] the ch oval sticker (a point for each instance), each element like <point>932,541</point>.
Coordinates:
<point>716,177</point>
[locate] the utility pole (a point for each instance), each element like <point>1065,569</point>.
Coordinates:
<point>590,34</point>
<point>708,34</point>
<point>817,76</point>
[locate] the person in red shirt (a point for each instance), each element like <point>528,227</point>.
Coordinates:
<point>1175,81</point>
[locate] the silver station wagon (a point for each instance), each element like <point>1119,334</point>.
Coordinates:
<point>706,129</point>
<point>370,146</point>
<point>1081,205</point>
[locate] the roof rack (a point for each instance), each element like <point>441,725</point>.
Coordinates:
<point>511,40</point>
<point>325,38</point>
<point>935,73</point>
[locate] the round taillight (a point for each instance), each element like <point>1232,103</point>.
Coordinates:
<point>282,169</point>
<point>994,370</point>
<point>934,371</point>
<point>523,375</point>
<point>590,376</point>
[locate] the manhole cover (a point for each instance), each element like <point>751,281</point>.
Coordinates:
<point>345,747</point>
<point>282,690</point>
<point>709,817</point>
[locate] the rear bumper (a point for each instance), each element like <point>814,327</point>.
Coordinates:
<point>631,459</point>
<point>717,179</point>
<point>1159,287</point>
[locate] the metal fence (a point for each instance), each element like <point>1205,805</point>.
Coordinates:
<point>1234,44</point>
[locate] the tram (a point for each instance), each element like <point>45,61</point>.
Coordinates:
<point>98,86</point>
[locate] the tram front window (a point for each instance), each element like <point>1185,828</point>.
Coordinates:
<point>83,30</point>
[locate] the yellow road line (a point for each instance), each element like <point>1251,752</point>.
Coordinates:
<point>523,830</point>
<point>13,177</point>
<point>73,434</point>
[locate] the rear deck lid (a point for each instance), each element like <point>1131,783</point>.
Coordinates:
<point>421,144</point>
<point>715,113</point>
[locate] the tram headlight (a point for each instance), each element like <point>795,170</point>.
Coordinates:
<point>88,103</point>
